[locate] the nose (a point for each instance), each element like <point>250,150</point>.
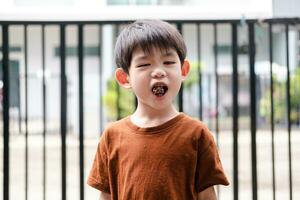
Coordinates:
<point>158,73</point>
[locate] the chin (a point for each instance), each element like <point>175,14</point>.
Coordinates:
<point>160,105</point>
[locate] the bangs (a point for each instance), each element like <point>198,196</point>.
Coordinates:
<point>149,40</point>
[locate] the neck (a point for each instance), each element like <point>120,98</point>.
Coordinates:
<point>147,117</point>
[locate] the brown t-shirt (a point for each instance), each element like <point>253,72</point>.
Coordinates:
<point>175,160</point>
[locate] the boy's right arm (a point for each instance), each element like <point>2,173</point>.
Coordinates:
<point>104,196</point>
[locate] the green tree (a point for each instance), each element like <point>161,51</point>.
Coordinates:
<point>115,93</point>
<point>295,96</point>
<point>193,76</point>
<point>279,95</point>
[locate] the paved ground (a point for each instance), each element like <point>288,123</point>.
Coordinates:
<point>17,166</point>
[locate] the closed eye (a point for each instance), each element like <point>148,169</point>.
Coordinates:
<point>143,65</point>
<point>169,63</point>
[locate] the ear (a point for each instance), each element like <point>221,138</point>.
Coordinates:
<point>185,69</point>
<point>122,78</point>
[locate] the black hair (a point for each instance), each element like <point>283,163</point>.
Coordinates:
<point>147,34</point>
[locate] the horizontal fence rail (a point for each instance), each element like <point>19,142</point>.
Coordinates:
<point>207,91</point>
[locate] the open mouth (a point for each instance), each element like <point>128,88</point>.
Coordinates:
<point>159,89</point>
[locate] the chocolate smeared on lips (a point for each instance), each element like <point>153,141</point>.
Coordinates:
<point>159,89</point>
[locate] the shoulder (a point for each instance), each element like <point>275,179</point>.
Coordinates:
<point>111,136</point>
<point>114,129</point>
<point>193,124</point>
<point>199,129</point>
<point>116,125</point>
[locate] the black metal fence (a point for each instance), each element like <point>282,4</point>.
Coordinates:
<point>288,24</point>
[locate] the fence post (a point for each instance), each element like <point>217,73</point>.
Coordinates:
<point>5,93</point>
<point>253,107</point>
<point>63,107</point>
<point>235,109</point>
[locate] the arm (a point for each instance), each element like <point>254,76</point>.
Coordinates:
<point>207,194</point>
<point>104,196</point>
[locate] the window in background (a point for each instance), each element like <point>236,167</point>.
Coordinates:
<point>44,2</point>
<point>175,2</point>
<point>154,2</point>
<point>132,2</point>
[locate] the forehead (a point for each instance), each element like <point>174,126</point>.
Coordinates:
<point>140,53</point>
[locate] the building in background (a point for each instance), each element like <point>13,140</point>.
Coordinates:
<point>110,10</point>
<point>100,89</point>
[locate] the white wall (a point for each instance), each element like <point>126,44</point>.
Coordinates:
<point>98,10</point>
<point>286,8</point>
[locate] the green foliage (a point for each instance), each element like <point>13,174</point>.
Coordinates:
<point>193,76</point>
<point>295,96</point>
<point>279,96</point>
<point>124,97</point>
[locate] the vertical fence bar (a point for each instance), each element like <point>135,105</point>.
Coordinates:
<point>288,98</point>
<point>180,95</point>
<point>253,107</point>
<point>216,80</point>
<point>44,112</point>
<point>26,111</point>
<point>100,47</point>
<point>199,68</point>
<point>272,110</point>
<point>81,103</point>
<point>5,70</point>
<point>217,88</point>
<point>118,103</point>
<point>235,108</point>
<point>63,108</point>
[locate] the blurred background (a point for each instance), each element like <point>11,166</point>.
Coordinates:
<point>58,93</point>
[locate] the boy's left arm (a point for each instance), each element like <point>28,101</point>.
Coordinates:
<point>207,194</point>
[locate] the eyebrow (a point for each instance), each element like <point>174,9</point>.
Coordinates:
<point>141,58</point>
<point>168,53</point>
<point>145,56</point>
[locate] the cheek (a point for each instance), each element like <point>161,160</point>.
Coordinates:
<point>176,83</point>
<point>176,77</point>
<point>139,85</point>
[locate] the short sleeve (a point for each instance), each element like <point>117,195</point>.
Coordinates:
<point>98,177</point>
<point>209,170</point>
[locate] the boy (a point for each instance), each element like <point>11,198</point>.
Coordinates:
<point>156,153</point>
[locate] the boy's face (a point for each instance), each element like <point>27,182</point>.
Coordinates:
<point>155,78</point>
